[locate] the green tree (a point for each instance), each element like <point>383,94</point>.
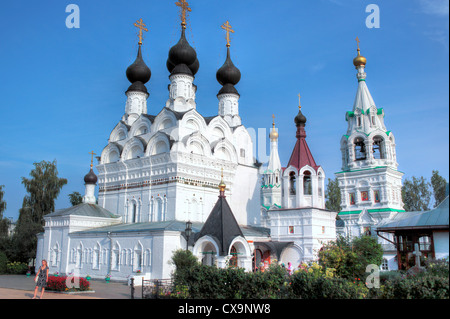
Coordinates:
<point>416,194</point>
<point>351,257</point>
<point>4,222</point>
<point>42,188</point>
<point>333,196</point>
<point>75,198</point>
<point>438,183</point>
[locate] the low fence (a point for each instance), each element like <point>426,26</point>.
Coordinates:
<point>154,289</point>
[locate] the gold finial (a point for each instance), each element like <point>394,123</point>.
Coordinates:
<point>92,158</point>
<point>359,60</point>
<point>299,105</point>
<point>273,120</point>
<point>141,26</point>
<point>222,185</point>
<point>227,27</point>
<point>184,9</point>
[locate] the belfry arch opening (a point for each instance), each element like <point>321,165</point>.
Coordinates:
<point>378,148</point>
<point>292,188</point>
<point>360,149</point>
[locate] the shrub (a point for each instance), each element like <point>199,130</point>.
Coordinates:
<point>429,284</point>
<point>230,283</point>
<point>16,268</point>
<point>310,285</point>
<point>3,262</point>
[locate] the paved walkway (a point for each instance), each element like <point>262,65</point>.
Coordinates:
<point>21,287</point>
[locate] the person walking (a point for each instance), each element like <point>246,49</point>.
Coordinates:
<point>41,279</point>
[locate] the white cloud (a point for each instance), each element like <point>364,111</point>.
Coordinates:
<point>435,7</point>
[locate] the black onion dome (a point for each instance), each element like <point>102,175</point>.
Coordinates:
<point>138,71</point>
<point>90,177</point>
<point>300,118</point>
<point>182,53</point>
<point>228,73</point>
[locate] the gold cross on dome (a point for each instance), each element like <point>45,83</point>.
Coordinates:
<point>357,42</point>
<point>92,158</point>
<point>299,105</point>
<point>273,120</point>
<point>227,27</point>
<point>184,9</point>
<point>141,26</point>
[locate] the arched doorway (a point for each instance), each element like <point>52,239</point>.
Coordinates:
<point>209,255</point>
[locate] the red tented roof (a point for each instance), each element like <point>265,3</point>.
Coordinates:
<point>301,155</point>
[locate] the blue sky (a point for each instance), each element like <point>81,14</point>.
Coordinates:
<point>62,90</point>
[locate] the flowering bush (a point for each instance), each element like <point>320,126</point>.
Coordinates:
<point>17,268</point>
<point>59,283</point>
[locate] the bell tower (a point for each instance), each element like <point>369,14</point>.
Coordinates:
<point>369,180</point>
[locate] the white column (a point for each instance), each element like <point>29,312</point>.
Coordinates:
<point>315,191</point>
<point>300,194</point>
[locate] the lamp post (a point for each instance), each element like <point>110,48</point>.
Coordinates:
<point>188,233</point>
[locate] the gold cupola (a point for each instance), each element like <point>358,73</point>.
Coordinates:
<point>359,60</point>
<point>222,185</point>
<point>273,133</point>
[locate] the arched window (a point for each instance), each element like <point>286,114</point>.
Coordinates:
<point>96,257</point>
<point>55,255</point>
<point>378,152</point>
<point>307,187</point>
<point>133,213</point>
<point>137,260</point>
<point>79,256</point>
<point>292,188</point>
<point>360,149</point>
<point>115,257</point>
<point>159,209</point>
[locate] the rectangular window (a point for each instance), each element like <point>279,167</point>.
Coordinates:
<point>364,196</point>
<point>242,152</point>
<point>358,121</point>
<point>323,229</point>
<point>376,195</point>
<point>352,198</point>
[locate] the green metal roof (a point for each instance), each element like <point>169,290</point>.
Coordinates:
<point>90,210</point>
<point>174,225</point>
<point>435,218</point>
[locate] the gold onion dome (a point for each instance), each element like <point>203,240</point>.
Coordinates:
<point>273,133</point>
<point>359,60</point>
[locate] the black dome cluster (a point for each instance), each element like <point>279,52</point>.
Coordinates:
<point>90,178</point>
<point>182,58</point>
<point>138,74</point>
<point>228,76</point>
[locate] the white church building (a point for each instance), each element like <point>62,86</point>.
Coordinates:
<point>159,172</point>
<point>181,180</point>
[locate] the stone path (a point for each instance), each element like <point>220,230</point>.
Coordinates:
<point>21,287</point>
